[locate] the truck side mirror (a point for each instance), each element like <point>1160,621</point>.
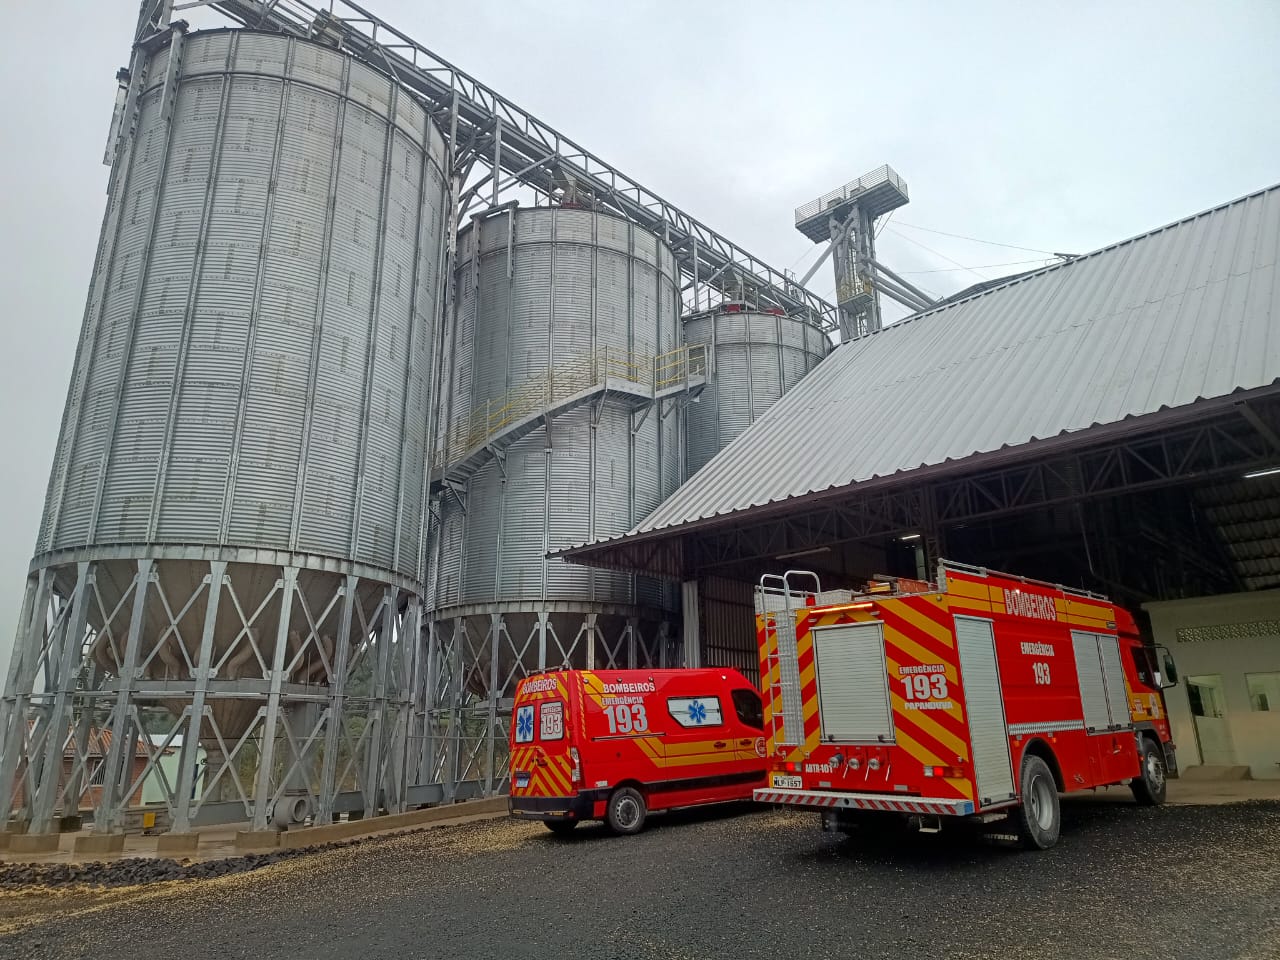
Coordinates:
<point>1170,678</point>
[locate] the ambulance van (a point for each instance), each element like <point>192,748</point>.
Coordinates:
<point>617,745</point>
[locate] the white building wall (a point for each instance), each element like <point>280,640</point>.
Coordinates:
<point>1230,636</point>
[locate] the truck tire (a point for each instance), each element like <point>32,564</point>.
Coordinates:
<point>1149,786</point>
<point>1039,816</point>
<point>560,827</point>
<point>626,811</point>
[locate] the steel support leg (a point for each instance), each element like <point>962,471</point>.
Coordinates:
<point>337,703</point>
<point>22,673</point>
<point>64,683</point>
<point>266,756</point>
<point>110,813</point>
<point>186,785</point>
<point>491,727</point>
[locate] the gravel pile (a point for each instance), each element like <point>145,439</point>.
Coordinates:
<point>129,871</point>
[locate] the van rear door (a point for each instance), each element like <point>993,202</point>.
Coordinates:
<point>541,737</point>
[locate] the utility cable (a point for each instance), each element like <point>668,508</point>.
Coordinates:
<point>899,233</point>
<point>990,243</point>
<point>981,266</point>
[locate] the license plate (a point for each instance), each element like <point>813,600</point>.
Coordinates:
<point>522,778</point>
<point>781,782</point>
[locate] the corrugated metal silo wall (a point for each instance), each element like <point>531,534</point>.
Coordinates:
<point>576,284</point>
<point>755,359</point>
<point>254,360</point>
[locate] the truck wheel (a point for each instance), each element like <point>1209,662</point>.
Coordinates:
<point>626,811</point>
<point>560,827</point>
<point>1150,785</point>
<point>1039,817</point>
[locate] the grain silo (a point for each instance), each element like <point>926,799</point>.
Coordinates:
<point>236,501</point>
<point>754,357</point>
<point>565,374</point>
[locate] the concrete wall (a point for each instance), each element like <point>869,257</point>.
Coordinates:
<point>1229,636</point>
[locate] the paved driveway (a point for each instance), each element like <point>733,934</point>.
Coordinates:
<point>1125,882</point>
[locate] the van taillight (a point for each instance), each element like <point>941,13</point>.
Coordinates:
<point>575,774</point>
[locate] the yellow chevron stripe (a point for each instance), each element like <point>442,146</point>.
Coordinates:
<point>913,649</point>
<point>917,750</point>
<point>922,622</point>
<point>651,746</point>
<point>558,778</point>
<point>923,720</point>
<point>807,675</point>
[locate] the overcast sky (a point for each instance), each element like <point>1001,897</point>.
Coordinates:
<point>1055,127</point>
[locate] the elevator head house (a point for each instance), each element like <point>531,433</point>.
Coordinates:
<point>1110,423</point>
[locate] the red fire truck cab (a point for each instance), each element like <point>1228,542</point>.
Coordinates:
<point>616,745</point>
<point>981,696</point>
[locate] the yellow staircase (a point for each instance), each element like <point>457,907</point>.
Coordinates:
<point>501,421</point>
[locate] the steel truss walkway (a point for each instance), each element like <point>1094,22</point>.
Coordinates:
<point>636,379</point>
<point>487,128</point>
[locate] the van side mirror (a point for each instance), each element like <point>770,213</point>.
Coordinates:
<point>1169,672</point>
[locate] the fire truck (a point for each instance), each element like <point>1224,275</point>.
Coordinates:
<point>617,745</point>
<point>981,696</point>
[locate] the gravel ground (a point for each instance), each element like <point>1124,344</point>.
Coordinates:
<point>1125,882</point>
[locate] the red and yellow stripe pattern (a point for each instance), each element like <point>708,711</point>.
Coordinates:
<point>918,630</point>
<point>549,772</point>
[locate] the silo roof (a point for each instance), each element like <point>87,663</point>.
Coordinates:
<point>1186,313</point>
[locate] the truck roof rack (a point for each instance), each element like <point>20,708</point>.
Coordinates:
<point>945,565</point>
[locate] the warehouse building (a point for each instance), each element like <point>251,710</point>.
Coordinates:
<point>1110,422</point>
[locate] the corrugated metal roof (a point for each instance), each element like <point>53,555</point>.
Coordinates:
<point>1187,312</point>
<point>1247,515</point>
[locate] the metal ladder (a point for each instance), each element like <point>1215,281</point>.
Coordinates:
<point>778,605</point>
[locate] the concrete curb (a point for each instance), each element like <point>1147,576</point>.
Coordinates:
<point>103,843</point>
<point>34,842</point>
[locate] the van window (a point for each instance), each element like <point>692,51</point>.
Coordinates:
<point>746,703</point>
<point>552,716</point>
<point>695,711</point>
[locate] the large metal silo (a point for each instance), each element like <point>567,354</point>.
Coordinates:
<point>564,372</point>
<point>754,358</point>
<point>234,520</point>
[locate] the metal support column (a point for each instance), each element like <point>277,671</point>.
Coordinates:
<point>689,606</point>
<point>186,785</point>
<point>337,699</point>
<point>109,814</point>
<point>491,727</point>
<point>22,673</point>
<point>72,631</point>
<point>266,756</point>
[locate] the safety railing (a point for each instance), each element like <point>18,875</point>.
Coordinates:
<point>883,174</point>
<point>658,375</point>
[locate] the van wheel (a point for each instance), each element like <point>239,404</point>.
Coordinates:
<point>1149,786</point>
<point>626,811</point>
<point>560,827</point>
<point>1039,817</point>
